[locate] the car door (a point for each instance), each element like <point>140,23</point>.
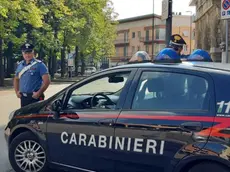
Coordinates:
<point>165,117</point>
<point>79,138</point>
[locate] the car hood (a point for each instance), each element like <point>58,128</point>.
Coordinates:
<point>32,108</point>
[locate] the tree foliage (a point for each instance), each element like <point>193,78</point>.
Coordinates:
<point>56,27</point>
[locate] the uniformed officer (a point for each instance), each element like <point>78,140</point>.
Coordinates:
<point>200,55</point>
<point>177,43</point>
<point>140,57</point>
<point>31,77</point>
<point>167,55</point>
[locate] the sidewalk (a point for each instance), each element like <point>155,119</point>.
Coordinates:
<point>63,80</point>
<point>9,81</point>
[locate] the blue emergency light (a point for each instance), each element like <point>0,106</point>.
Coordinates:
<point>167,55</point>
<point>200,55</point>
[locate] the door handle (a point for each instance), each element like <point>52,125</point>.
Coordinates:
<point>192,126</point>
<point>106,122</point>
<point>69,115</point>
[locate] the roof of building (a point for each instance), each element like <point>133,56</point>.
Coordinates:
<point>192,3</point>
<point>137,18</point>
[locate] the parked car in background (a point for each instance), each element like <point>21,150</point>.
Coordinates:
<point>90,70</point>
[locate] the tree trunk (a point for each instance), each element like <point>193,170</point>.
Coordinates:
<point>1,64</point>
<point>10,60</point>
<point>54,61</point>
<point>63,61</point>
<point>29,29</point>
<point>41,53</point>
<point>50,63</point>
<point>76,60</point>
<point>54,52</point>
<point>82,64</point>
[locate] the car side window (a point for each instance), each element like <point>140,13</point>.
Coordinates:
<point>100,93</point>
<point>171,91</point>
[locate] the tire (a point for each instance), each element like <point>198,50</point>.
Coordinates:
<point>33,161</point>
<point>209,167</point>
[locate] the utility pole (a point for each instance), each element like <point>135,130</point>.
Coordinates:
<point>190,47</point>
<point>225,16</point>
<point>167,15</point>
<point>153,32</point>
<point>169,23</point>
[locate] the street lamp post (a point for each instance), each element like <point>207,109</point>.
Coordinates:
<point>153,32</point>
<point>190,47</point>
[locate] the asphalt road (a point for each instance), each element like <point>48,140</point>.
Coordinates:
<point>8,103</point>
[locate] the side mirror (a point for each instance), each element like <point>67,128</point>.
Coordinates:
<point>57,105</point>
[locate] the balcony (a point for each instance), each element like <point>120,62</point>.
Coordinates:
<point>121,42</point>
<point>149,40</point>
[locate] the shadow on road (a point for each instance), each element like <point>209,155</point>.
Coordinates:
<point>4,161</point>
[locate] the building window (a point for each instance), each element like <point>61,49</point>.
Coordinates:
<point>160,33</point>
<point>147,48</point>
<point>139,34</point>
<point>193,34</point>
<point>147,35</point>
<point>133,50</point>
<point>126,36</point>
<point>185,48</point>
<point>185,33</point>
<point>117,51</point>
<point>125,51</point>
<point>138,48</point>
<point>133,35</point>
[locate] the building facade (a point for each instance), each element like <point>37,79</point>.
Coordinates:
<point>136,34</point>
<point>210,29</point>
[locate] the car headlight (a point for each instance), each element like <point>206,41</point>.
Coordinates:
<point>11,115</point>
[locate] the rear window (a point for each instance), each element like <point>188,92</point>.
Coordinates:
<point>171,91</point>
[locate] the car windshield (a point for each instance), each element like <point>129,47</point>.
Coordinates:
<point>103,85</point>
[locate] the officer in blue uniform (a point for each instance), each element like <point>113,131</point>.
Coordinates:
<point>31,77</point>
<point>200,55</point>
<point>140,57</point>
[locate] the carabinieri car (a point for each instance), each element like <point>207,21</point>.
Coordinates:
<point>132,118</point>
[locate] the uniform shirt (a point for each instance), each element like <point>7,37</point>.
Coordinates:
<point>31,80</point>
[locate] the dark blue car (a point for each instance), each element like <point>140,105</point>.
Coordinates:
<point>132,118</point>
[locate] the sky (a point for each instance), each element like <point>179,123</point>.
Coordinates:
<point>132,8</point>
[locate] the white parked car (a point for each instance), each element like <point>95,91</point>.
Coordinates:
<point>90,70</point>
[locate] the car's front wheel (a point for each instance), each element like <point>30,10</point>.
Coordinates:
<point>27,154</point>
<point>208,166</point>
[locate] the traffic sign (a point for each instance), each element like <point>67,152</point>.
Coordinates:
<point>225,9</point>
<point>165,10</point>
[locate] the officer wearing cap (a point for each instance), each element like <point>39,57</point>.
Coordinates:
<point>31,77</point>
<point>140,57</point>
<point>177,43</point>
<point>200,55</point>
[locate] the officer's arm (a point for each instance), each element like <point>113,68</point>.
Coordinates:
<point>16,84</point>
<point>16,80</point>
<point>45,77</point>
<point>46,83</point>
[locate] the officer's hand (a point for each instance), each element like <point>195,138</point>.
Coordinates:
<point>36,95</point>
<point>18,94</point>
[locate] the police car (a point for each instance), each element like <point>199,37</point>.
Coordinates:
<point>159,117</point>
